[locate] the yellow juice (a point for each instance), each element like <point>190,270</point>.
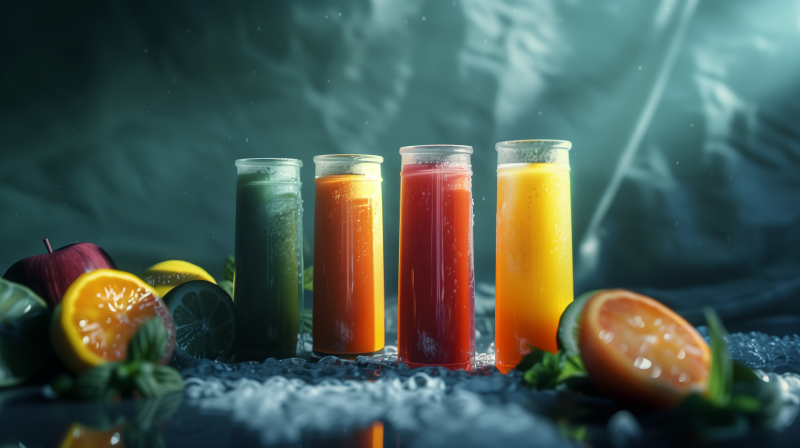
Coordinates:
<point>534,258</point>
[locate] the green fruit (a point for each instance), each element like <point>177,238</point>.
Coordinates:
<point>568,325</point>
<point>24,335</point>
<point>205,320</point>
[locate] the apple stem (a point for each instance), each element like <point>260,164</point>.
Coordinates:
<point>47,244</point>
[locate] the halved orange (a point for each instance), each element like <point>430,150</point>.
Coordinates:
<point>99,314</point>
<point>640,352</point>
<point>79,436</point>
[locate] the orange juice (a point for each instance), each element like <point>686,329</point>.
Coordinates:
<point>534,248</point>
<point>348,256</point>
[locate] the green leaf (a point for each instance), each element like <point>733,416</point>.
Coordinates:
<point>227,285</point>
<point>737,398</point>
<point>307,324</point>
<point>531,359</point>
<point>571,367</point>
<point>149,342</point>
<point>720,379</point>
<point>545,370</point>
<point>574,432</point>
<point>96,383</point>
<point>156,380</point>
<point>228,268</point>
<point>308,278</point>
<point>62,384</point>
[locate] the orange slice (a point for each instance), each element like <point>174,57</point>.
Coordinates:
<point>99,314</point>
<point>640,352</point>
<point>79,436</point>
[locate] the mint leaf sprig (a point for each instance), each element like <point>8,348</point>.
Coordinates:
<point>138,375</point>
<point>737,398</point>
<point>545,370</point>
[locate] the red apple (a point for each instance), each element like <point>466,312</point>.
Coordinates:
<point>49,275</point>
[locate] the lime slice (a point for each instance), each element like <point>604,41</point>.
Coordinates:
<point>205,320</point>
<point>570,321</point>
<point>24,336</point>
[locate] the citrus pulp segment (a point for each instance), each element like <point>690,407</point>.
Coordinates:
<point>639,351</point>
<point>99,314</point>
<point>168,274</point>
<point>24,347</point>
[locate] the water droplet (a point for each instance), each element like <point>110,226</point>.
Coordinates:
<point>656,372</point>
<point>606,336</point>
<point>642,363</point>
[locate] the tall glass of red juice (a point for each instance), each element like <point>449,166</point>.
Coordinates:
<point>436,303</point>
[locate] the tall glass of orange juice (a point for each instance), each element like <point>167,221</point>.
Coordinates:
<point>534,247</point>
<point>348,256</point>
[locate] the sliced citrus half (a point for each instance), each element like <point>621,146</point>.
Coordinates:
<point>206,323</point>
<point>640,352</point>
<point>24,346</point>
<point>99,314</point>
<point>169,274</point>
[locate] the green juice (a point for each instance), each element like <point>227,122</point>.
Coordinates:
<point>268,284</point>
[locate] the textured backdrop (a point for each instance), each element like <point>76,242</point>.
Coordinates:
<point>120,122</point>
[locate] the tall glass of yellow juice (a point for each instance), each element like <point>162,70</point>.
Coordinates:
<point>534,247</point>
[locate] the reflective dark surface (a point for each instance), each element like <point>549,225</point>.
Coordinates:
<point>374,402</point>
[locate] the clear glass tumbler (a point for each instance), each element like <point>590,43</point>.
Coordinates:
<point>436,303</point>
<point>268,283</point>
<point>348,256</point>
<point>534,247</point>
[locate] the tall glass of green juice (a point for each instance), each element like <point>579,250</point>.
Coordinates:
<point>268,283</point>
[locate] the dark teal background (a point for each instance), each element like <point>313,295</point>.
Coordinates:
<point>120,123</point>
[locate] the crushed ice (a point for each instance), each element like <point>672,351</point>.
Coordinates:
<point>762,351</point>
<point>280,399</point>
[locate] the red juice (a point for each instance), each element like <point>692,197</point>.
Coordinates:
<point>436,317</point>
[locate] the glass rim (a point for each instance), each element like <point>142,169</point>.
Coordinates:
<point>436,149</point>
<point>352,158</point>
<point>269,162</point>
<point>521,144</point>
